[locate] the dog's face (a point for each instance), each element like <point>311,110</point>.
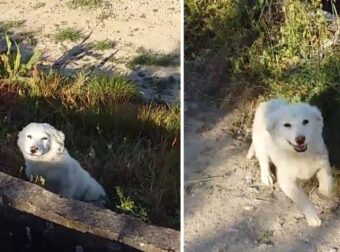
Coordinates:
<point>295,126</point>
<point>38,139</point>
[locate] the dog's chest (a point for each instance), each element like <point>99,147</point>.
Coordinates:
<point>50,171</point>
<point>300,167</point>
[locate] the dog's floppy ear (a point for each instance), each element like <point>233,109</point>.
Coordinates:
<point>58,136</point>
<point>21,136</point>
<point>317,113</point>
<point>270,121</point>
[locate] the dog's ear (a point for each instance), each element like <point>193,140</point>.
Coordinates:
<point>21,136</point>
<point>270,121</point>
<point>58,136</point>
<point>317,114</point>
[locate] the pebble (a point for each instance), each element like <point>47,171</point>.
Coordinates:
<point>335,249</point>
<point>233,230</point>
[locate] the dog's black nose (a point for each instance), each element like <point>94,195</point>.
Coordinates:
<point>33,149</point>
<point>300,140</point>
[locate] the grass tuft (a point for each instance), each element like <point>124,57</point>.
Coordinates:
<point>85,3</point>
<point>103,45</point>
<point>149,58</point>
<point>67,34</point>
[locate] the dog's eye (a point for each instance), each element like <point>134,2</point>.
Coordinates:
<point>29,136</point>
<point>44,138</point>
<point>287,125</point>
<point>305,122</point>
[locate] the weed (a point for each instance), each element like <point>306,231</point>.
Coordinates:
<point>70,34</point>
<point>103,45</point>
<point>150,58</point>
<point>85,3</point>
<point>127,205</point>
<point>103,88</point>
<point>11,64</point>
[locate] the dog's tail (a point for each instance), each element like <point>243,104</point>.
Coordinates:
<point>251,151</point>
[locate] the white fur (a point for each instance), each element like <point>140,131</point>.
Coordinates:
<point>62,173</point>
<point>275,128</point>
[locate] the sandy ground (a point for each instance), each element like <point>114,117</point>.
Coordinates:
<point>131,24</point>
<point>227,209</point>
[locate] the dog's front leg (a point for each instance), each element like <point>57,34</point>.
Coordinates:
<point>325,180</point>
<point>299,197</point>
<point>266,175</point>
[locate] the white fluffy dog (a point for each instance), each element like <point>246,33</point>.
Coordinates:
<point>45,155</point>
<point>290,136</point>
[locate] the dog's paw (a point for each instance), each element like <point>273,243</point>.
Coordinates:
<point>313,221</point>
<point>267,179</point>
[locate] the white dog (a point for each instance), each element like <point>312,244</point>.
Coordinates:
<point>45,155</point>
<point>290,136</point>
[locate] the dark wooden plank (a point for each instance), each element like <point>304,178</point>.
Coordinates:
<point>85,217</point>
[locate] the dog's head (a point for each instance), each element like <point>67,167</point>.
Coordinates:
<point>39,139</point>
<point>295,126</point>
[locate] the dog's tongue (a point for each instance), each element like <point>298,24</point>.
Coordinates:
<point>300,147</point>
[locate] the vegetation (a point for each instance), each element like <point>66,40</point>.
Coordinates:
<point>149,58</point>
<point>70,34</point>
<point>280,48</point>
<point>130,146</point>
<point>85,3</point>
<point>11,65</point>
<point>103,45</point>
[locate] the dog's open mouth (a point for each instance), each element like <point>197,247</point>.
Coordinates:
<point>299,148</point>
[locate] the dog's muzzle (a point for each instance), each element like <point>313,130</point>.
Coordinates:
<point>33,150</point>
<point>298,147</point>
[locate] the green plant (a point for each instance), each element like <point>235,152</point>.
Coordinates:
<point>150,58</point>
<point>11,64</point>
<point>103,45</point>
<point>85,3</point>
<point>70,34</point>
<point>104,87</point>
<point>127,205</point>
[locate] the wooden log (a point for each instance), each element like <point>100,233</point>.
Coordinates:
<point>84,217</point>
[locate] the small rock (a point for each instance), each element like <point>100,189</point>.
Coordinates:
<point>299,216</point>
<point>249,208</point>
<point>233,230</point>
<point>334,249</point>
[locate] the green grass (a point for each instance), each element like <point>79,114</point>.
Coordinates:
<point>103,45</point>
<point>149,58</point>
<point>275,46</point>
<point>68,34</point>
<point>85,3</point>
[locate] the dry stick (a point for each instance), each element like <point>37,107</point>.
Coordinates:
<point>205,179</point>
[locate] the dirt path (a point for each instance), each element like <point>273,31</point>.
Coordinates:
<point>227,210</point>
<point>130,25</point>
